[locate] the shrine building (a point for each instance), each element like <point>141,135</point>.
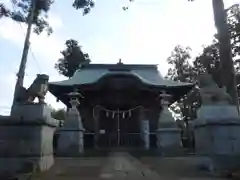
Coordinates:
<point>115,99</point>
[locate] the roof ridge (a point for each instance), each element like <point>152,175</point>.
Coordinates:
<point>120,66</point>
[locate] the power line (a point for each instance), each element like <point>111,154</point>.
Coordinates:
<point>30,48</point>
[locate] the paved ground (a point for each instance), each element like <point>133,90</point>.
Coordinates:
<point>124,166</point>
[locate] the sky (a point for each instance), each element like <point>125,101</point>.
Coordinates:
<point>145,34</point>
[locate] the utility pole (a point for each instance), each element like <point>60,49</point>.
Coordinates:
<point>227,69</point>
<point>22,67</point>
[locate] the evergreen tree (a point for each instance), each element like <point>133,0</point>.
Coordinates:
<point>85,5</point>
<point>228,78</point>
<point>72,59</point>
<point>22,13</point>
<point>208,61</point>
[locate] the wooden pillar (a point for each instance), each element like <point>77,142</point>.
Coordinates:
<point>96,116</point>
<point>144,128</point>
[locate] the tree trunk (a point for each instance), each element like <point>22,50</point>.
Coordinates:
<point>22,67</point>
<point>226,61</point>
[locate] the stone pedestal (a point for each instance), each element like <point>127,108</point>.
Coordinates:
<point>70,141</point>
<point>31,112</point>
<point>26,140</point>
<point>169,141</point>
<point>217,135</point>
<point>168,134</point>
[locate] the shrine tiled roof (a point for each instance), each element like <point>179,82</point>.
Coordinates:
<point>92,73</point>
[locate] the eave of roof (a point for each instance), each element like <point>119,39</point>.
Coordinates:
<point>148,75</point>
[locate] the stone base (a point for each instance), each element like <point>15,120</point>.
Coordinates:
<point>14,165</point>
<point>226,163</point>
<point>27,141</point>
<point>217,136</point>
<point>169,141</point>
<point>70,142</point>
<point>205,163</point>
<point>24,142</point>
<point>219,163</point>
<point>33,112</point>
<point>217,130</point>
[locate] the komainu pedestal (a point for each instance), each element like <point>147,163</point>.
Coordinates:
<point>217,127</point>
<point>26,139</point>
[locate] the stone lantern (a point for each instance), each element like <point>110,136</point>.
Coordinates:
<point>71,140</point>
<point>166,119</point>
<point>165,98</point>
<point>73,112</point>
<point>168,133</point>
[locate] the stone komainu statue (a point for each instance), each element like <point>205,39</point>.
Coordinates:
<point>210,93</point>
<point>38,89</point>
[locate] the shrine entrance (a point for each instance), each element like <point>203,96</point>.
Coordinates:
<point>119,129</point>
